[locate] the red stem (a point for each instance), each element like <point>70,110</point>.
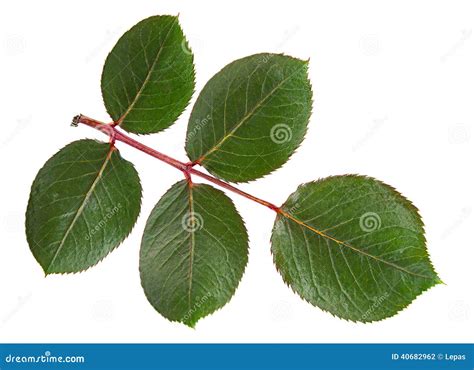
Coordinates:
<point>187,168</point>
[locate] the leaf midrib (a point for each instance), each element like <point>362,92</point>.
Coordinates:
<point>246,117</point>
<point>148,76</point>
<point>82,206</point>
<point>192,243</point>
<point>329,237</point>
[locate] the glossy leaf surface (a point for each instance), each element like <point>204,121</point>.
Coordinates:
<point>148,77</point>
<point>194,252</point>
<point>83,203</point>
<point>352,246</point>
<point>250,117</point>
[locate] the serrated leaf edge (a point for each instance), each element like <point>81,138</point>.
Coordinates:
<point>192,324</point>
<point>305,66</point>
<point>408,203</point>
<point>186,42</point>
<point>118,244</point>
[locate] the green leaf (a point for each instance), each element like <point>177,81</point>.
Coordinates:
<point>352,246</point>
<point>148,77</point>
<point>83,203</point>
<point>250,117</point>
<point>193,253</point>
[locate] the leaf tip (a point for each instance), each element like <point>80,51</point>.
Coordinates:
<point>190,324</point>
<point>46,270</point>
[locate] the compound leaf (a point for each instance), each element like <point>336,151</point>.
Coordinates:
<point>352,246</point>
<point>148,77</point>
<point>193,253</point>
<point>250,117</point>
<point>83,203</point>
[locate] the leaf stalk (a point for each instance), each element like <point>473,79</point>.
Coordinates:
<point>111,130</point>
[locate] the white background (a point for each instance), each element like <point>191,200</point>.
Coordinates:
<point>394,93</point>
